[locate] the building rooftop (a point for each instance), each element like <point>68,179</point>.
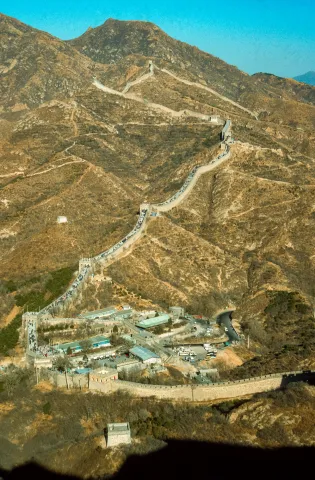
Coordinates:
<point>153,322</point>
<point>103,311</point>
<point>143,353</point>
<point>122,313</point>
<point>128,361</point>
<point>118,427</point>
<point>76,344</point>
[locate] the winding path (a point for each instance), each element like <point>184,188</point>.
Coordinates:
<point>109,256</point>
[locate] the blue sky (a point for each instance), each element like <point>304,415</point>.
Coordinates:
<point>275,36</point>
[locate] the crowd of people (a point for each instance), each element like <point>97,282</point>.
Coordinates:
<point>140,221</point>
<point>191,176</point>
<point>33,346</point>
<point>32,335</point>
<point>69,293</point>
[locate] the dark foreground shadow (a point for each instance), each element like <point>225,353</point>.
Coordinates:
<point>197,460</point>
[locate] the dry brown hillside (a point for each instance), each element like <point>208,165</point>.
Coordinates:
<point>70,148</point>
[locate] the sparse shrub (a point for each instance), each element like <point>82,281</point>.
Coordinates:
<point>47,408</point>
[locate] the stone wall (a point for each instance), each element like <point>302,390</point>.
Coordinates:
<point>74,381</point>
<point>201,170</point>
<point>193,392</point>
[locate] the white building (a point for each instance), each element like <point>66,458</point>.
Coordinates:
<point>215,119</point>
<point>177,312</point>
<point>62,219</point>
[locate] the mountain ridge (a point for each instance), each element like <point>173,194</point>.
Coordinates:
<point>94,154</point>
<point>308,77</point>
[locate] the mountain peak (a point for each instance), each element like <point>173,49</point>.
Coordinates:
<point>308,78</point>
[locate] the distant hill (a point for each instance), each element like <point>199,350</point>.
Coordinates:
<point>308,77</point>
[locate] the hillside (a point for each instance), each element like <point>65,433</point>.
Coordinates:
<point>36,67</point>
<point>64,431</point>
<point>91,130</point>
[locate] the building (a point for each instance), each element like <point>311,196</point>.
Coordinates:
<point>99,314</point>
<point>153,322</point>
<point>128,365</point>
<point>145,355</point>
<point>215,119</point>
<point>62,219</point>
<point>118,434</point>
<point>148,313</point>
<point>103,375</point>
<point>125,313</point>
<point>129,339</point>
<point>177,312</point>
<point>96,342</point>
<point>43,363</point>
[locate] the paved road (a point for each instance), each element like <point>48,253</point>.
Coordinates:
<point>147,339</point>
<point>226,320</point>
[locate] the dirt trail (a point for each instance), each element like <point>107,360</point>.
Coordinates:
<point>75,127</point>
<point>154,106</point>
<point>15,311</point>
<point>208,89</point>
<point>54,168</point>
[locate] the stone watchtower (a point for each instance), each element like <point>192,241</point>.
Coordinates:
<point>83,262</point>
<point>118,434</point>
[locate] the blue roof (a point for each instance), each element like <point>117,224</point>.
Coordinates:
<point>143,353</point>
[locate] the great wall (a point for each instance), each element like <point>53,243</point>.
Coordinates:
<point>104,259</point>
<point>189,393</point>
<point>192,392</point>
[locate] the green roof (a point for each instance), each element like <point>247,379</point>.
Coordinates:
<point>76,345</point>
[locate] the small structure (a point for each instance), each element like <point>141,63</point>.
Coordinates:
<point>43,363</point>
<point>145,355</point>
<point>153,322</point>
<point>128,365</point>
<point>118,434</point>
<point>62,219</point>
<point>148,313</point>
<point>84,263</point>
<point>103,375</point>
<point>215,119</point>
<point>129,338</point>
<point>100,314</point>
<point>177,312</point>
